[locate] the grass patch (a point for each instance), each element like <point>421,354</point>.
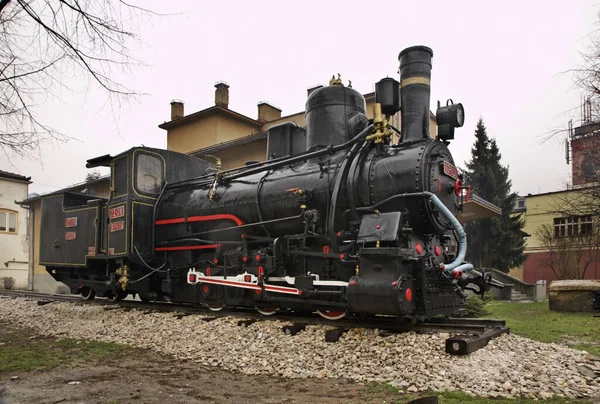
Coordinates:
<point>456,398</point>
<point>378,388</point>
<point>391,394</point>
<point>537,322</point>
<point>20,353</point>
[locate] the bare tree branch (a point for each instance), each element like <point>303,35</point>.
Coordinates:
<point>570,255</point>
<point>44,42</point>
<point>586,78</point>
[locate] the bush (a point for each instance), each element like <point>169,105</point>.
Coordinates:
<point>8,283</point>
<point>476,307</point>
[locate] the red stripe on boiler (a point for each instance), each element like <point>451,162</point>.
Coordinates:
<point>201,219</point>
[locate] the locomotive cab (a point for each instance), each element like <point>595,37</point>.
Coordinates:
<point>137,178</point>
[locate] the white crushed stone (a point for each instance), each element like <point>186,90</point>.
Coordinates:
<point>510,366</point>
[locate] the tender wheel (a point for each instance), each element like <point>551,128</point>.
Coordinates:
<point>87,293</point>
<point>267,311</point>
<point>332,315</point>
<point>117,297</point>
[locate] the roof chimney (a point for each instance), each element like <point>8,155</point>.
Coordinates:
<point>267,112</point>
<point>176,109</point>
<point>222,94</point>
<point>312,89</point>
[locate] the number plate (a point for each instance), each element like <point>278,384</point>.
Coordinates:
<point>71,222</point>
<point>70,235</point>
<point>450,170</point>
<point>119,211</point>
<point>117,226</point>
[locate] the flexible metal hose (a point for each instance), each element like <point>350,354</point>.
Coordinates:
<point>456,265</point>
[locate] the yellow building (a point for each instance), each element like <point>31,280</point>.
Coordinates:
<point>548,209</point>
<point>14,235</point>
<point>570,245</point>
<point>235,138</point>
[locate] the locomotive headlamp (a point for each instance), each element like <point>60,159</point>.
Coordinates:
<point>452,114</point>
<point>449,117</point>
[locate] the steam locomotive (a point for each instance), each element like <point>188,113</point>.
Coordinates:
<point>339,219</point>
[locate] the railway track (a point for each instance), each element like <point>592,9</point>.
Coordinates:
<point>469,334</point>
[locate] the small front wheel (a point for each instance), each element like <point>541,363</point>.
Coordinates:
<point>116,297</point>
<point>87,293</point>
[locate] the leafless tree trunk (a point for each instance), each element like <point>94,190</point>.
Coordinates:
<point>43,44</point>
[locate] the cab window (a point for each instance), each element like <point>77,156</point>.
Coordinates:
<point>149,174</point>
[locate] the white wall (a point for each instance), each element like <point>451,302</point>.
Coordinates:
<point>14,247</point>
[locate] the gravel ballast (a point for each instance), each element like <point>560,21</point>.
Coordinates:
<point>509,366</point>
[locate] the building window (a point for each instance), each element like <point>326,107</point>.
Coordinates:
<point>521,203</point>
<point>8,221</point>
<point>573,226</point>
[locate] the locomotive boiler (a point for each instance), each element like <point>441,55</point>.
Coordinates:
<point>339,219</point>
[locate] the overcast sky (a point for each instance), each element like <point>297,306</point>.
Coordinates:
<point>502,60</point>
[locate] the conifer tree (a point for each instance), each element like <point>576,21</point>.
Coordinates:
<point>495,242</point>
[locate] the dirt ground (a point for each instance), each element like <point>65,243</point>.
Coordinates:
<point>136,376</point>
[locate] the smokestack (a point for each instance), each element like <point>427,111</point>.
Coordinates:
<point>176,109</point>
<point>415,77</point>
<point>222,94</point>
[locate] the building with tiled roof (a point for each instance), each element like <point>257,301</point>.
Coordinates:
<point>14,177</point>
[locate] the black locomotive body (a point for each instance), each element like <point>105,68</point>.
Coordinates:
<point>338,219</point>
